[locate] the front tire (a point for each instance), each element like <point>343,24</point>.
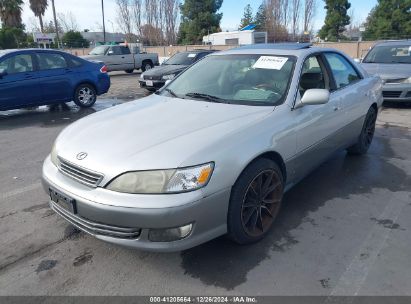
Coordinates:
<point>146,65</point>
<point>367,134</point>
<point>255,201</point>
<point>85,95</point>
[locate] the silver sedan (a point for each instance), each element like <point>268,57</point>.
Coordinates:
<point>392,62</point>
<point>214,151</point>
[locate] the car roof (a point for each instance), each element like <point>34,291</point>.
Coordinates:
<point>197,51</point>
<point>394,42</point>
<point>282,49</point>
<point>8,51</point>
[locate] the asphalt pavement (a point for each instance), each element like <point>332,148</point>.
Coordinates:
<point>344,230</point>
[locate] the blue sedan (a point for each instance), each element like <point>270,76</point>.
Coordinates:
<point>36,77</point>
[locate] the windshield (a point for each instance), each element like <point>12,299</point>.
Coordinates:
<point>100,50</point>
<point>241,79</point>
<point>181,59</point>
<point>389,54</point>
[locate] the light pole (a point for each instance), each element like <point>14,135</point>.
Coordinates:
<point>104,24</point>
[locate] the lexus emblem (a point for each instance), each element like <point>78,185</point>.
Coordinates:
<point>81,155</point>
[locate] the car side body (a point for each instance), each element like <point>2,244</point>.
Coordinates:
<point>393,66</point>
<point>123,57</point>
<point>34,77</point>
<point>182,133</point>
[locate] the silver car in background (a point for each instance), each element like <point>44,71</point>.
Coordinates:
<point>214,151</point>
<point>392,62</point>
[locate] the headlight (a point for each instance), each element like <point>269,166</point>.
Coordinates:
<point>53,156</point>
<point>169,77</point>
<point>408,80</point>
<point>163,181</point>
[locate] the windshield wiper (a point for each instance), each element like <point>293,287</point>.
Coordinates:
<point>207,97</point>
<point>172,93</point>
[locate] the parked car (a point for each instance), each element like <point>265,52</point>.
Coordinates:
<point>392,62</point>
<point>155,78</point>
<point>215,150</point>
<point>34,77</point>
<point>123,58</point>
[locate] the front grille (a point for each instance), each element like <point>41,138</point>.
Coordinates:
<point>391,94</point>
<point>146,77</point>
<point>95,228</point>
<point>80,174</point>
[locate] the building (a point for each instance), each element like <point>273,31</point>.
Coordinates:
<point>96,38</point>
<point>236,38</point>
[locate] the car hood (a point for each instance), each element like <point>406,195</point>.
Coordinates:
<point>388,71</point>
<point>165,70</point>
<point>155,132</point>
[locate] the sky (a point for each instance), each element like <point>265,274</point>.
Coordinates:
<point>88,12</point>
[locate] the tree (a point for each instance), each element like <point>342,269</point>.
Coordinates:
<point>124,18</point>
<point>74,39</point>
<point>336,19</point>
<point>13,37</point>
<point>39,8</point>
<point>260,20</point>
<point>309,11</point>
<point>198,18</point>
<point>68,22</point>
<point>10,13</point>
<point>295,17</point>
<point>389,19</point>
<point>247,17</point>
<point>55,23</point>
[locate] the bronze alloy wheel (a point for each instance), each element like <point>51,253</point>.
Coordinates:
<point>261,203</point>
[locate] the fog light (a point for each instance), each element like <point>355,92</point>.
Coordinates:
<point>171,234</point>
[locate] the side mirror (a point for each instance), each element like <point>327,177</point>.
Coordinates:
<point>167,82</point>
<point>109,53</point>
<point>358,60</point>
<point>314,97</point>
<point>3,73</point>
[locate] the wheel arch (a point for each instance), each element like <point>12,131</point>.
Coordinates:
<point>84,82</point>
<point>273,156</point>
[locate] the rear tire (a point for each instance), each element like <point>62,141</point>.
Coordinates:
<point>367,134</point>
<point>146,65</point>
<point>85,95</point>
<point>129,71</point>
<point>255,201</point>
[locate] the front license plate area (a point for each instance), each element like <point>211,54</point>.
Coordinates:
<point>63,201</point>
<point>149,83</point>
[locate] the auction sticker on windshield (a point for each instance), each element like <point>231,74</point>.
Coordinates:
<point>270,62</point>
<point>191,55</point>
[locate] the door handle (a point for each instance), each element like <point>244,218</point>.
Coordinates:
<point>336,108</point>
<point>28,76</point>
<point>122,57</point>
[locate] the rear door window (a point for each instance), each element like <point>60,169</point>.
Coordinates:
<point>116,50</point>
<point>343,71</point>
<point>21,63</point>
<point>125,50</point>
<point>51,61</point>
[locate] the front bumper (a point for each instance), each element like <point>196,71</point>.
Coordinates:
<point>129,226</point>
<point>157,84</point>
<point>397,92</point>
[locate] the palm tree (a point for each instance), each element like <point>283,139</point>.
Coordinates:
<point>55,23</point>
<point>39,8</point>
<point>10,13</point>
